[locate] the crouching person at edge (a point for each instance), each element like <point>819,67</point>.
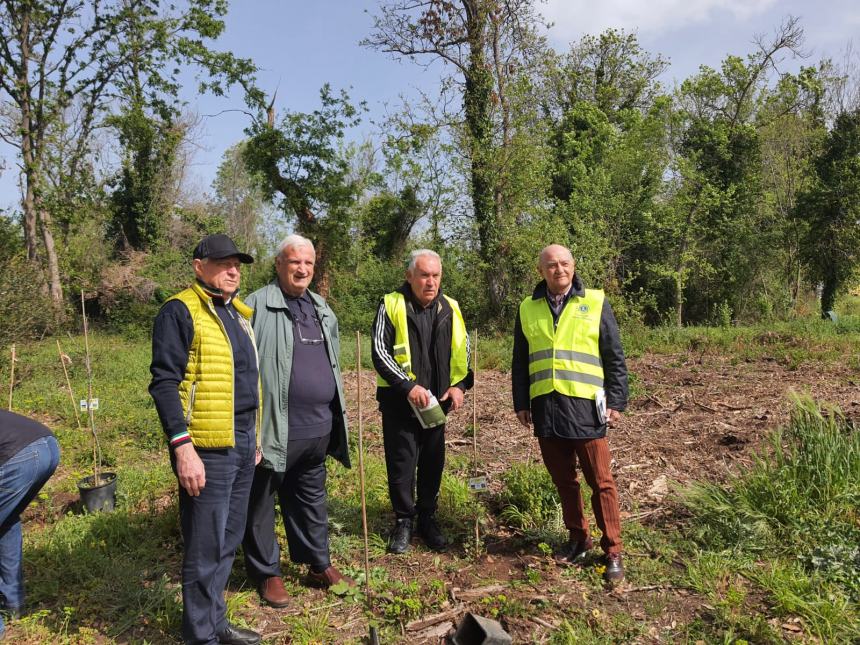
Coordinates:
<point>420,349</point>
<point>304,419</point>
<point>206,389</point>
<point>29,455</point>
<point>569,380</point>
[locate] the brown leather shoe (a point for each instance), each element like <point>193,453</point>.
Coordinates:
<point>273,592</point>
<point>327,578</point>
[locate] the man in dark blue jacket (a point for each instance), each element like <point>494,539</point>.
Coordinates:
<point>569,380</point>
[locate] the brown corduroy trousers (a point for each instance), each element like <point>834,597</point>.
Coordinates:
<point>560,457</point>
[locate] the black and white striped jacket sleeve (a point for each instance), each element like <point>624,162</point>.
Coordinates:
<point>381,350</point>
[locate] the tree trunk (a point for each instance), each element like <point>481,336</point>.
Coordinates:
<point>28,203</point>
<point>54,282</point>
<point>477,102</point>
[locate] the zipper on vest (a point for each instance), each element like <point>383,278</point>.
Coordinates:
<point>191,403</point>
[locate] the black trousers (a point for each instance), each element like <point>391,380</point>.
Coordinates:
<point>301,492</point>
<point>408,447</point>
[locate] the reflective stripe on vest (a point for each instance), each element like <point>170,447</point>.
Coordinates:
<point>395,309</point>
<point>564,358</point>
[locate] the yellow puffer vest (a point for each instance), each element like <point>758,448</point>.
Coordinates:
<point>206,391</point>
<point>395,308</point>
<point>564,358</point>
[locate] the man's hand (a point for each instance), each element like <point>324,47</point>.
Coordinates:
<point>189,469</point>
<point>525,417</point>
<point>612,417</point>
<point>419,396</point>
<point>456,396</point>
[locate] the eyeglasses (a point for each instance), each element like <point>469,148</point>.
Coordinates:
<point>299,318</point>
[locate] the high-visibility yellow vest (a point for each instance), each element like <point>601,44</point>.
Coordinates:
<point>564,358</point>
<point>395,309</point>
<point>206,391</point>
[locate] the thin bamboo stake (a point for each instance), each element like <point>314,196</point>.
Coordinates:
<point>96,448</point>
<point>12,377</point>
<point>361,461</point>
<point>75,412</point>
<point>475,435</point>
<point>373,636</point>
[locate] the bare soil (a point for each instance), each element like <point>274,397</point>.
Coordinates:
<point>695,417</point>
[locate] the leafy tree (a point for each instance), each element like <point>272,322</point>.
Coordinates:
<point>716,225</point>
<point>63,61</point>
<point>239,200</point>
<point>303,163</point>
<point>140,201</point>
<point>607,132</point>
<point>488,43</point>
<point>831,208</point>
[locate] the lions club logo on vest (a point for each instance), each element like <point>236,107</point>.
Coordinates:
<point>583,308</point>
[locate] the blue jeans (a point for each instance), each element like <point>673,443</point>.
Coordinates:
<point>212,527</point>
<point>20,479</point>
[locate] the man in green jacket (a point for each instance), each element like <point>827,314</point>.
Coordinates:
<point>304,418</point>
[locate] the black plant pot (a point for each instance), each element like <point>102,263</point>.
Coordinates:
<point>98,495</point>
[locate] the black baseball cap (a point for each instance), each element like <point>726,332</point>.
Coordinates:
<point>220,246</point>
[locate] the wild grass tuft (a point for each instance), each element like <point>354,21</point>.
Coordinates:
<point>790,521</point>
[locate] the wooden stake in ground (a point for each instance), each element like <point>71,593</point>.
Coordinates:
<point>475,435</point>
<point>63,359</point>
<point>96,448</point>
<point>374,636</point>
<point>12,377</point>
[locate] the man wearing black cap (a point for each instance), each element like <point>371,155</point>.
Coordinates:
<point>205,384</point>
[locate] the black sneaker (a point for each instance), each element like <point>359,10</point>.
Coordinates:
<point>430,532</point>
<point>401,536</point>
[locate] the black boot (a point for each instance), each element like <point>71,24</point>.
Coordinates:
<point>430,532</point>
<point>401,535</point>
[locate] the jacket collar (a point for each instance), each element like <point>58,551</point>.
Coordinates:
<point>439,302</point>
<point>275,297</point>
<point>576,289</point>
<point>207,293</point>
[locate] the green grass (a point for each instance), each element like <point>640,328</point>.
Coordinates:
<point>777,543</point>
<point>789,524</point>
<point>791,343</point>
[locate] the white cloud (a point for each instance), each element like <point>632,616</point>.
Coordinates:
<point>573,18</point>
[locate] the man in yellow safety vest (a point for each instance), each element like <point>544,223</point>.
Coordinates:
<point>569,381</point>
<point>420,350</point>
<point>206,388</point>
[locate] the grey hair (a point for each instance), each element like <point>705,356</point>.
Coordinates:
<point>414,255</point>
<point>295,240</point>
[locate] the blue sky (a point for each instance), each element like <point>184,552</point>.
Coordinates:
<point>300,45</point>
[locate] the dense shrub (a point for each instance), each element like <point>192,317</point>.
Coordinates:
<point>29,313</point>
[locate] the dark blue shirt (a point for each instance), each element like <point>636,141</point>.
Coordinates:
<point>312,386</point>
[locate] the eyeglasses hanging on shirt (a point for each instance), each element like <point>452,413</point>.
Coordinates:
<point>306,325</point>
